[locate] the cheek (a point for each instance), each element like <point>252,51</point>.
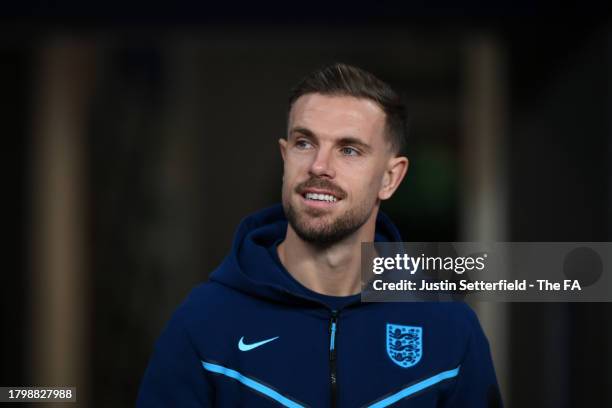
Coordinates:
<point>292,174</point>
<point>287,179</point>
<point>295,164</point>
<point>364,185</point>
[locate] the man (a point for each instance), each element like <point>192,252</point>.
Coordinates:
<point>281,323</point>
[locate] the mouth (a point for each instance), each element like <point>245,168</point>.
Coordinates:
<point>319,198</point>
<point>330,198</point>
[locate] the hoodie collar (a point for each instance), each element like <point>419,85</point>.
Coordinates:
<point>250,268</point>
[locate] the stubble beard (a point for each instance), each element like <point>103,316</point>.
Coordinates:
<point>320,229</point>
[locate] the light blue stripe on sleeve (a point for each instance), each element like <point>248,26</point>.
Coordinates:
<point>257,386</point>
<point>421,385</point>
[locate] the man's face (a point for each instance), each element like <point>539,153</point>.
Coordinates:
<point>335,159</point>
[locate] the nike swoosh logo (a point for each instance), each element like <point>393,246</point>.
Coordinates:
<point>246,347</point>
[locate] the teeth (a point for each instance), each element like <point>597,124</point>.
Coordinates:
<point>321,197</point>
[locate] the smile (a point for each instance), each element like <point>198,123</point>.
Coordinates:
<point>320,197</point>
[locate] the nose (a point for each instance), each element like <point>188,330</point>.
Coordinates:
<point>322,165</point>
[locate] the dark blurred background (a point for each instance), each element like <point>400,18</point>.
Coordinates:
<point>144,132</point>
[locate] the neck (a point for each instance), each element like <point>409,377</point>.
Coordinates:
<point>334,270</point>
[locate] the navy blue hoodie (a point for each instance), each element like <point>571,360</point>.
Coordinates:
<point>255,337</point>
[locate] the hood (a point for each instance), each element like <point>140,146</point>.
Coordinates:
<point>250,268</point>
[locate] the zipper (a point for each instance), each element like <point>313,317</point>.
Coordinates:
<point>333,328</point>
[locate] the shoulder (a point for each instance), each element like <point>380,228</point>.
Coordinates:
<point>203,302</point>
<point>461,312</point>
<point>461,323</point>
<point>457,325</point>
<point>206,308</point>
<point>460,315</point>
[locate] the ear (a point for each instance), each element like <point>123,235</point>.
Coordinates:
<point>394,174</point>
<point>282,142</point>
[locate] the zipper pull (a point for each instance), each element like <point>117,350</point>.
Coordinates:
<point>333,327</point>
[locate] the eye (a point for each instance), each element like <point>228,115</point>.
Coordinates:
<point>303,144</point>
<point>349,151</point>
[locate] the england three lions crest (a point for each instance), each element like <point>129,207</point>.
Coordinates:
<point>404,344</point>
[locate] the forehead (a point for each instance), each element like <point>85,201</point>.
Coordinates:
<point>338,116</point>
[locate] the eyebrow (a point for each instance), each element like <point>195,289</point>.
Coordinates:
<point>344,141</point>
